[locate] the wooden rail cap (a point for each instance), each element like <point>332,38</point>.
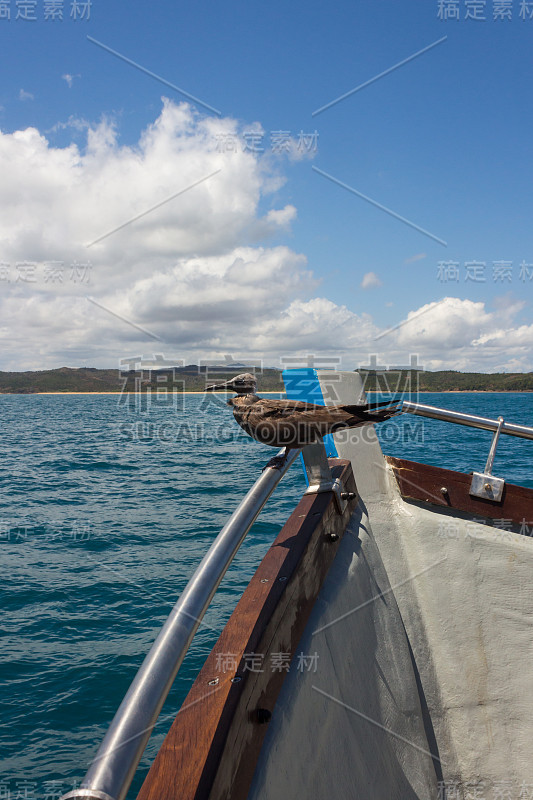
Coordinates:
<point>448,489</point>
<point>212,747</point>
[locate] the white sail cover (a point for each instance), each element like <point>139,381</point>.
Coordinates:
<point>414,676</point>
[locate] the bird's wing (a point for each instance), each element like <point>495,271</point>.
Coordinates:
<point>286,407</point>
<point>299,412</point>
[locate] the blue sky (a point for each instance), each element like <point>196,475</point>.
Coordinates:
<point>443,141</point>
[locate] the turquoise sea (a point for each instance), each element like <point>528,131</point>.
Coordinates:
<point>106,508</point>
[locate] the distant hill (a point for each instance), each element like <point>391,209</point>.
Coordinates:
<point>447,381</point>
<point>193,379</point>
<point>88,379</point>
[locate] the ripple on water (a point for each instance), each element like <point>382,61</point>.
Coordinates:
<point>100,533</point>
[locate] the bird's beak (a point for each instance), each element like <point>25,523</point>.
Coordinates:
<point>218,387</point>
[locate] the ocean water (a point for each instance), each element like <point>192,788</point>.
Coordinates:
<point>106,509</point>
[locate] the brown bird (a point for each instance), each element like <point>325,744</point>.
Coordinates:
<point>292,423</point>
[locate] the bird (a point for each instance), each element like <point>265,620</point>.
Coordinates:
<point>293,423</point>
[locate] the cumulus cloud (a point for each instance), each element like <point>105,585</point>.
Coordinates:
<point>24,95</point>
<point>462,334</point>
<point>160,232</point>
<point>370,281</point>
<point>179,247</point>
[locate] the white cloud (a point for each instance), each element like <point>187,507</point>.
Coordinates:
<point>316,326</point>
<point>23,95</point>
<point>464,335</point>
<point>281,217</point>
<point>370,281</point>
<point>185,270</point>
<point>73,123</point>
<point>193,270</point>
<point>70,79</point>
<point>417,257</point>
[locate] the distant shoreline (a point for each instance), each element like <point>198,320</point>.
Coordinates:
<point>202,391</point>
<point>194,379</point>
<point>118,393</point>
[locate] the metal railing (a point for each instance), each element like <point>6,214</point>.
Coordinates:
<point>443,414</point>
<point>112,770</point>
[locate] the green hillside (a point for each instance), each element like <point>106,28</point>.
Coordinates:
<point>89,379</point>
<point>448,381</point>
<point>194,379</point>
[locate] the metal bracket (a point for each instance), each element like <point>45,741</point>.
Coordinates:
<point>485,484</point>
<point>320,478</point>
<point>316,464</point>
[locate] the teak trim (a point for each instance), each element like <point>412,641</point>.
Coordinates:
<point>212,748</point>
<point>425,484</point>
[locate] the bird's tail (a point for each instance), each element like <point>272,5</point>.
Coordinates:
<point>372,412</point>
<point>382,414</point>
<point>371,407</point>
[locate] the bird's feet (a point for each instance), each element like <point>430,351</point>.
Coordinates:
<point>279,461</point>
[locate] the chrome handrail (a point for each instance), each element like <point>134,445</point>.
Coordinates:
<point>111,771</point>
<point>445,415</point>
